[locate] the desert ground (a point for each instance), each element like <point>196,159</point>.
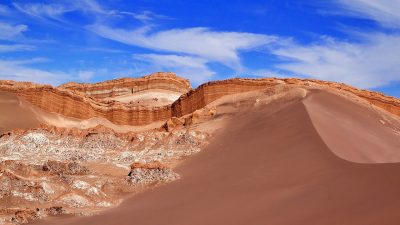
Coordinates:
<point>273,166</point>
<point>287,153</point>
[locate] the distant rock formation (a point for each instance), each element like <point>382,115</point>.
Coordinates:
<point>84,101</point>
<point>164,81</point>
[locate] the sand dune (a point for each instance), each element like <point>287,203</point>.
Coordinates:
<point>14,113</point>
<point>271,166</point>
<point>354,132</point>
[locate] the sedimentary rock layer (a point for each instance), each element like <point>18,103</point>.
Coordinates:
<point>209,92</point>
<point>77,105</point>
<point>124,86</point>
<point>74,101</point>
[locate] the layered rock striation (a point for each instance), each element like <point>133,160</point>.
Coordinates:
<point>126,86</point>
<point>83,101</point>
<point>209,92</point>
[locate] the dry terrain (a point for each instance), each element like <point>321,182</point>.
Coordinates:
<point>243,151</point>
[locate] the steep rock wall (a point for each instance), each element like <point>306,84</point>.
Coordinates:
<point>77,104</point>
<point>208,92</point>
<point>125,86</point>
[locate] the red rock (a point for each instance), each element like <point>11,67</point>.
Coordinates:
<point>81,101</point>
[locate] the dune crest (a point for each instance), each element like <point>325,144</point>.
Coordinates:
<point>268,162</point>
<point>238,151</point>
<point>85,101</point>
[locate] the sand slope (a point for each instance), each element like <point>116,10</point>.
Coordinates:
<point>14,113</point>
<point>354,132</point>
<point>269,166</point>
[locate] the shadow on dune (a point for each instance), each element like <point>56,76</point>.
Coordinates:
<point>269,166</point>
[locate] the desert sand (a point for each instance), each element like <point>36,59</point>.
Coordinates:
<point>17,113</point>
<point>353,131</point>
<point>155,97</point>
<point>14,113</point>
<point>288,162</point>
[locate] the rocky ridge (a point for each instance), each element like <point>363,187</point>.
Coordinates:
<point>164,81</point>
<point>52,170</point>
<point>75,101</point>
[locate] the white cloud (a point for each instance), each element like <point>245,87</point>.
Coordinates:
<point>145,16</point>
<point>54,12</point>
<point>15,48</point>
<point>92,6</point>
<point>4,10</point>
<point>102,49</point>
<point>386,12</point>
<point>8,32</point>
<point>85,75</point>
<point>373,63</point>
<point>217,46</point>
<point>194,68</point>
<point>264,73</point>
<point>21,70</point>
<point>42,10</point>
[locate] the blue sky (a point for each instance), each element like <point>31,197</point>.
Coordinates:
<point>351,41</point>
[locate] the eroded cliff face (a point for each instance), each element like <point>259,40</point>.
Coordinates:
<point>77,101</point>
<point>78,105</point>
<point>209,92</point>
<point>125,86</point>
<point>48,170</point>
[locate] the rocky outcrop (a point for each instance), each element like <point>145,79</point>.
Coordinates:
<point>70,168</point>
<point>78,105</point>
<point>124,86</point>
<point>209,92</point>
<point>150,173</point>
<point>73,100</point>
<point>61,171</point>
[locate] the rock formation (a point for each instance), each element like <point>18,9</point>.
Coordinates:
<point>55,168</point>
<point>124,86</point>
<point>84,101</point>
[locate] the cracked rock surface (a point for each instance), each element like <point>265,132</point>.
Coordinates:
<point>44,172</point>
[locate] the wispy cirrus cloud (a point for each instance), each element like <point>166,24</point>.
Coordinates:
<point>85,75</point>
<point>370,62</point>
<point>93,6</point>
<point>375,62</point>
<point>16,48</point>
<point>54,11</point>
<point>145,16</point>
<point>386,12</point>
<point>22,70</point>
<point>9,32</point>
<point>191,67</point>
<point>4,10</point>
<point>219,46</point>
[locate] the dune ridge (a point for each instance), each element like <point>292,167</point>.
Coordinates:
<point>274,141</point>
<point>269,166</point>
<point>82,101</point>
